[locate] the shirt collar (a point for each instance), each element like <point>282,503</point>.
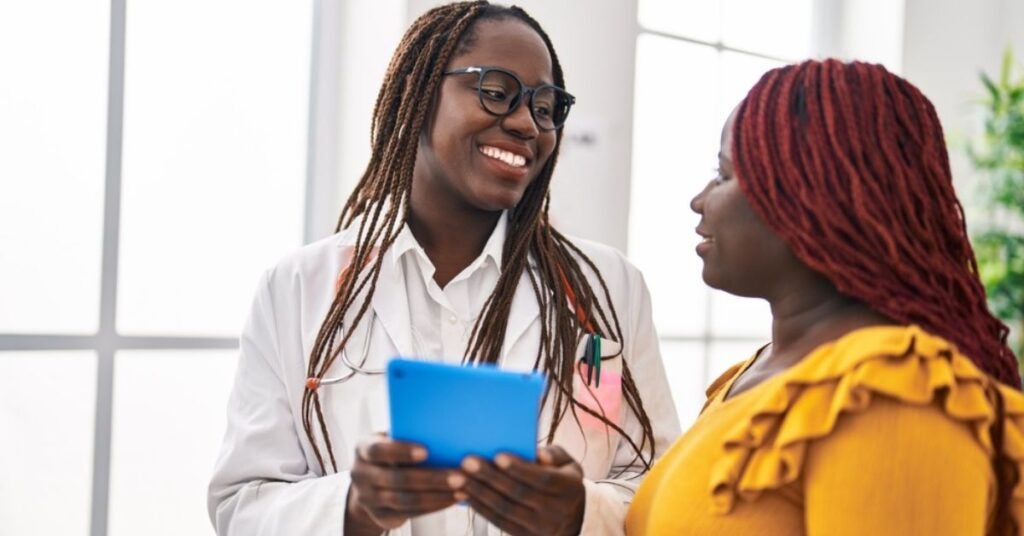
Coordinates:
<point>495,246</point>
<point>493,249</point>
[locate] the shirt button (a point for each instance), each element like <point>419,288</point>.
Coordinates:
<point>452,319</point>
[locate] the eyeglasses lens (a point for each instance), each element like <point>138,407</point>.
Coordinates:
<point>500,93</point>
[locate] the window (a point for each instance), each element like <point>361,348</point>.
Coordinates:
<point>161,165</point>
<point>694,63</point>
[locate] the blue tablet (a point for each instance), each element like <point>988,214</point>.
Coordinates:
<point>455,411</point>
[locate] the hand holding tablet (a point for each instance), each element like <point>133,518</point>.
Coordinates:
<point>483,421</point>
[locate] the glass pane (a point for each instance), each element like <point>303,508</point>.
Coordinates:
<point>780,28</point>
<point>167,427</point>
<point>873,31</point>
<point>739,73</point>
<point>684,368</point>
<point>675,143</point>
<point>735,316</point>
<point>48,411</point>
<point>696,19</point>
<point>724,354</point>
<point>214,158</point>
<point>53,106</point>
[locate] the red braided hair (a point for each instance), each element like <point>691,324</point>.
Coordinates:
<point>847,163</point>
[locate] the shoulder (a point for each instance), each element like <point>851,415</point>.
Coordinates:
<point>609,268</point>
<point>305,274</point>
<point>879,392</point>
<point>612,263</point>
<point>922,459</point>
<point>892,435</point>
<point>311,259</point>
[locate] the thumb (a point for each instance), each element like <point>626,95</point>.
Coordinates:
<point>554,456</point>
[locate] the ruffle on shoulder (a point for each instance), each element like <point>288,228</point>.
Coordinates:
<point>904,363</point>
<point>722,381</point>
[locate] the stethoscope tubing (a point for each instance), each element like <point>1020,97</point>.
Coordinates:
<point>312,383</point>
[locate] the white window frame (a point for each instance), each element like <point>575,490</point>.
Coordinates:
<point>322,190</point>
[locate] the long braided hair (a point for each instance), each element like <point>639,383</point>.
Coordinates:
<point>379,205</point>
<point>847,163</point>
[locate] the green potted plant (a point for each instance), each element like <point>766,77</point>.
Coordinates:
<point>998,238</point>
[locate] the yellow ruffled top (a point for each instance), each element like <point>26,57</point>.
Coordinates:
<point>883,431</point>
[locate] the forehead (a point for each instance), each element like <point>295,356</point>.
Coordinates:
<point>726,137</point>
<point>509,44</point>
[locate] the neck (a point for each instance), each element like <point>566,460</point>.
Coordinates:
<point>452,239</point>
<point>444,235</point>
<point>802,321</point>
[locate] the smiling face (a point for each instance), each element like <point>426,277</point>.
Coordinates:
<point>741,254</point>
<point>469,159</point>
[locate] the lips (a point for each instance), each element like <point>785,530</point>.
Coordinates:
<point>507,160</point>
<point>706,243</point>
<point>508,157</point>
<point>507,151</point>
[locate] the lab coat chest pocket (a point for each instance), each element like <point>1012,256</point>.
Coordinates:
<point>587,438</point>
<point>600,389</point>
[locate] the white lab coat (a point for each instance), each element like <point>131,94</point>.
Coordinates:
<point>267,480</point>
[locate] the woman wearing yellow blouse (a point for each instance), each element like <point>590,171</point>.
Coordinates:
<point>887,401</point>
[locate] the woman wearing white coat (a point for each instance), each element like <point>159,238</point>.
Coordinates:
<point>446,253</point>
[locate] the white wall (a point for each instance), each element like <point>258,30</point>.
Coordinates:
<point>866,30</point>
<point>946,44</point>
<point>352,45</point>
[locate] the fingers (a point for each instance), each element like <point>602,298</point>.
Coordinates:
<point>554,456</point>
<point>388,486</point>
<point>550,478</point>
<point>367,475</point>
<point>382,503</point>
<point>390,495</point>
<point>522,497</point>
<point>387,452</point>
<point>503,509</point>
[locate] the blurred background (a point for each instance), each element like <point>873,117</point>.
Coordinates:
<point>156,157</point>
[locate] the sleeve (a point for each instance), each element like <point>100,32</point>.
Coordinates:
<point>897,469</point>
<point>608,499</point>
<point>262,483</point>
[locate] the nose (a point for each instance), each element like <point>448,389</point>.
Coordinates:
<point>697,203</point>
<point>520,122</point>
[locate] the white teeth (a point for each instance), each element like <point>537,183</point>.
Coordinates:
<point>507,157</point>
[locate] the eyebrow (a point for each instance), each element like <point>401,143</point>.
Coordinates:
<point>544,81</point>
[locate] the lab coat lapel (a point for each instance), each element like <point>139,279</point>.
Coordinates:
<point>523,312</point>
<point>391,305</point>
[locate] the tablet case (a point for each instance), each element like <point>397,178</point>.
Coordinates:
<point>455,411</point>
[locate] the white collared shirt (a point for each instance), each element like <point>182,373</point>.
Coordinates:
<point>442,319</point>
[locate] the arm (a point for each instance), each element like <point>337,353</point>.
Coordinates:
<point>262,483</point>
<point>897,469</point>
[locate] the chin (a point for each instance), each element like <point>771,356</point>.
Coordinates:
<point>710,280</point>
<point>737,287</point>
<point>503,200</point>
<point>719,281</point>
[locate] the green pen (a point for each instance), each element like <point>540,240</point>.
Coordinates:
<point>597,358</point>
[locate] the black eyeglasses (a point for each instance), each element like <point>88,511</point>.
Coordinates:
<point>501,92</point>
